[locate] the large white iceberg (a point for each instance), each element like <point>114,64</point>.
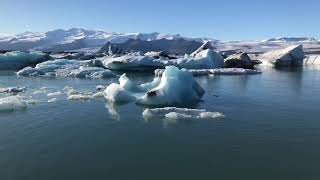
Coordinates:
<point>290,56</point>
<point>175,87</point>
<point>16,60</point>
<point>174,113</point>
<point>66,68</point>
<point>205,59</point>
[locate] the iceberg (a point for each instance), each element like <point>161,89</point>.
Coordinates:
<point>174,113</point>
<point>205,59</point>
<point>12,103</point>
<point>177,87</point>
<point>239,60</point>
<point>290,56</point>
<point>66,68</point>
<point>16,60</point>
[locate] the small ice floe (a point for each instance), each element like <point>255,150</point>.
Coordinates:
<point>180,114</point>
<point>66,68</point>
<point>58,93</point>
<point>76,95</point>
<point>12,90</point>
<point>70,91</point>
<point>175,87</point>
<point>217,71</point>
<point>79,97</point>
<point>12,103</point>
<point>234,71</point>
<point>52,100</point>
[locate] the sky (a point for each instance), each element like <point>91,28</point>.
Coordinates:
<point>219,19</point>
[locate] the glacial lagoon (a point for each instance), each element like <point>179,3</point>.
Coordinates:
<point>271,130</point>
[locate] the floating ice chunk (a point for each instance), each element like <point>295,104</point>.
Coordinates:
<point>52,100</point>
<point>205,59</point>
<point>12,89</point>
<point>174,113</point>
<point>58,93</point>
<point>218,71</point>
<point>99,94</point>
<point>66,68</point>
<point>70,90</point>
<point>176,87</point>
<point>116,93</point>
<point>290,56</point>
<point>79,97</point>
<point>132,62</point>
<point>17,60</point>
<point>234,71</point>
<point>12,103</point>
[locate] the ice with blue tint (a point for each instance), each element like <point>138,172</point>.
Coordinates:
<point>206,59</point>
<point>175,87</point>
<point>66,68</point>
<point>16,60</point>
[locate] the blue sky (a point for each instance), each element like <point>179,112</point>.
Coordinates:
<point>220,19</point>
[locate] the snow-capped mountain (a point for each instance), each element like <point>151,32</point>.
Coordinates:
<point>74,39</point>
<point>77,39</point>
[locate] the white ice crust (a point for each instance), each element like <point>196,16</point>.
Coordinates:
<point>179,114</point>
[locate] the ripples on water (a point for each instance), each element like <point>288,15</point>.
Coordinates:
<point>271,131</point>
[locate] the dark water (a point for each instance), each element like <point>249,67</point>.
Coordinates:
<point>271,131</point>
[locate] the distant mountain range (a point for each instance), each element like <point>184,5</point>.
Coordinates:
<point>77,39</point>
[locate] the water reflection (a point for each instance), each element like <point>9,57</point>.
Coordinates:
<point>113,110</point>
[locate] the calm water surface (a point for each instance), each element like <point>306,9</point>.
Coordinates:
<point>271,131</point>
